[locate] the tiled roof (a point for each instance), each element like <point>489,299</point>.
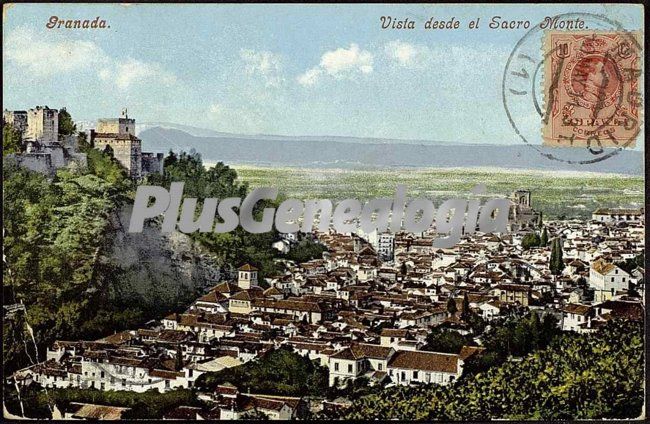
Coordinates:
<point>425,361</point>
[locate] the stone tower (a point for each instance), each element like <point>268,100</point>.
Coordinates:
<point>119,134</point>
<point>247,277</point>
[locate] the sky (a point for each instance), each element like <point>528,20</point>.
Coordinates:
<point>276,69</point>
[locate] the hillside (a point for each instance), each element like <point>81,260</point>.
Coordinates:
<point>591,376</point>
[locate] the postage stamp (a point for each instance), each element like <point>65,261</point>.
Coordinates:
<point>591,89</point>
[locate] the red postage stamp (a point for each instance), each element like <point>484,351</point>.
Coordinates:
<point>591,89</point>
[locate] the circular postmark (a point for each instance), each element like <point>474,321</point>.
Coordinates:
<point>577,87</point>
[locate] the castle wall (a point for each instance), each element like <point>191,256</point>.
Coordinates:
<point>127,152</point>
<point>38,162</point>
<point>152,163</point>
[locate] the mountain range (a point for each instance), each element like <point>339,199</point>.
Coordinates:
<point>352,152</point>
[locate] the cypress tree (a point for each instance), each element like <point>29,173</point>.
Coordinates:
<point>451,305</point>
<point>466,312</point>
<point>544,239</point>
<point>556,264</point>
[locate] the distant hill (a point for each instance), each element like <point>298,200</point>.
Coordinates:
<point>343,152</point>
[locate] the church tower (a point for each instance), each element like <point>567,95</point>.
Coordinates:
<point>247,277</point>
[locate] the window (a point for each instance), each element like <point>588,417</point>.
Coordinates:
<point>349,367</point>
<point>379,367</point>
<point>102,374</point>
<point>415,375</point>
<point>403,375</point>
<point>166,384</point>
<point>124,382</point>
<point>191,371</point>
<point>336,366</point>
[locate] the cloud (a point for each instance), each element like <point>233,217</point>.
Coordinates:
<point>310,77</point>
<point>339,63</point>
<point>44,58</point>
<point>417,56</point>
<point>267,65</point>
<point>131,71</point>
<point>407,54</point>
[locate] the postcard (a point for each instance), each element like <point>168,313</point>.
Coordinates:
<point>414,212</point>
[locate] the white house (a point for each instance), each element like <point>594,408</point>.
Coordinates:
<point>406,367</point>
<point>606,279</point>
<point>576,317</point>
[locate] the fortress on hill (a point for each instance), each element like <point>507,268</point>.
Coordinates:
<point>118,134</point>
<point>45,150</point>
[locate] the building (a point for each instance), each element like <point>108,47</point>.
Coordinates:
<point>118,136</point>
<point>357,360</point>
<point>386,246</point>
<point>247,277</point>
<point>576,317</point>
<point>513,293</point>
<point>16,118</point>
<point>522,216</point>
<point>618,215</point>
<point>606,279</point>
<point>45,150</point>
<point>42,125</point>
<point>407,367</point>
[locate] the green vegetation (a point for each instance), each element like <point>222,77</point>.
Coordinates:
<point>515,336</point>
<point>531,240</point>
<point>305,251</point>
<point>446,341</point>
<point>557,263</point>
<point>54,230</point>
<point>220,181</point>
<point>12,140</point>
<point>543,241</point>
<point>573,194</point>
<point>579,376</point>
<point>148,405</point>
<point>66,125</point>
<point>279,372</point>
<point>451,306</point>
<point>57,228</point>
<point>631,264</point>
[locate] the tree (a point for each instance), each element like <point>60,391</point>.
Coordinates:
<point>557,263</point>
<point>279,372</point>
<point>544,239</point>
<point>577,376</point>
<point>12,140</point>
<point>66,124</point>
<point>451,305</point>
<point>179,358</point>
<point>530,240</point>
<point>466,312</point>
<point>306,250</point>
<point>446,341</point>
